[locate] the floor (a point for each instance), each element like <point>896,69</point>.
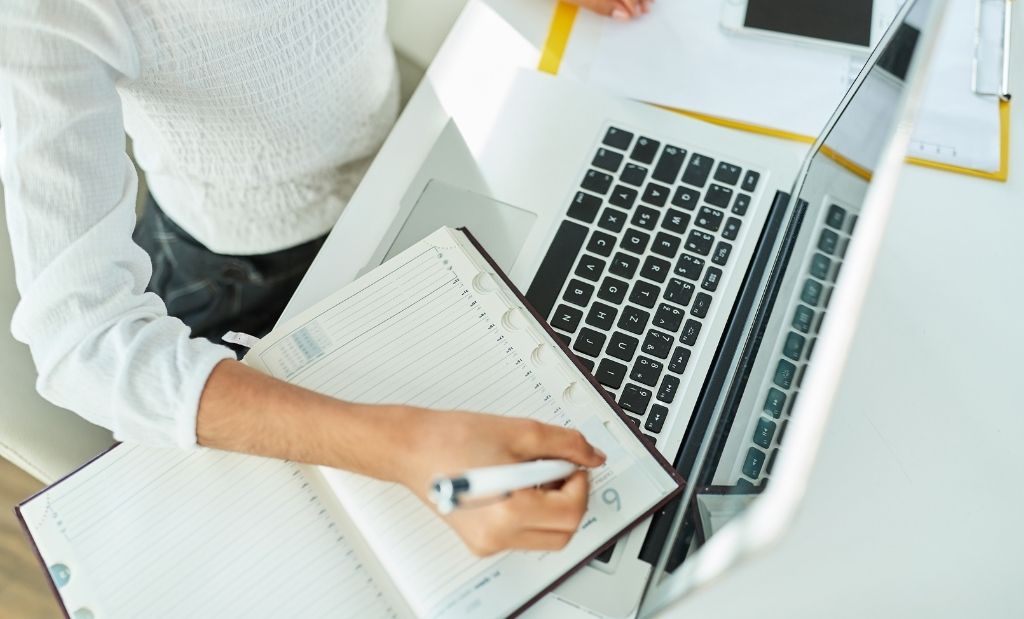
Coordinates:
<point>24,593</point>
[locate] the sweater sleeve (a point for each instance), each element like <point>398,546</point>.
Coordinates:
<point>103,346</point>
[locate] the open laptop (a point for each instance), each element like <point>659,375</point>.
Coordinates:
<point>655,245</point>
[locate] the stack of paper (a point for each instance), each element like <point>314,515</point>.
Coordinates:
<point>680,56</point>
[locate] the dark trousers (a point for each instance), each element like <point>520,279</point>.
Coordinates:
<point>216,293</point>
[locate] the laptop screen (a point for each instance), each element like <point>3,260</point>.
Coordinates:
<point>760,373</point>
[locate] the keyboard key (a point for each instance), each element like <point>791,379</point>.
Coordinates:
<point>675,221</point>
<point>771,461</point>
<point>782,429</point>
<point>764,432</point>
<point>578,292</point>
<point>623,197</point>
<point>617,138</point>
<point>610,373</point>
<point>750,181</point>
<point>828,241</point>
<point>635,241</point>
<point>563,337</point>
<point>685,197</point>
<point>690,332</point>
<point>644,293</point>
<point>590,267</point>
<point>811,292</point>
<point>711,279</point>
<point>721,253</point>
<point>774,402</point>
<point>635,399</point>
<point>622,346</point>
<point>794,346</point>
<point>784,373</point>
<point>731,229</point>
<point>835,217</point>
<point>613,290</point>
<point>600,243</point>
<point>689,267</point>
<point>601,316</point>
<point>624,265</point>
<point>669,164</point>
<point>587,363</point>
<point>697,170</point>
<point>850,224</point>
<point>656,420</point>
<point>657,344</point>
<point>741,204</point>
<point>802,318</point>
<point>645,150</point>
<point>680,357</point>
<point>655,269</point>
<point>669,388</point>
<point>596,181</point>
<point>655,194</point>
<point>665,245</point>
<point>556,266</point>
<point>589,342</point>
<point>668,317</point>
<point>718,196</point>
<point>709,218</point>
<point>678,291</point>
<point>612,219</point>
<point>727,173</point>
<point>607,160</point>
<point>645,217</point>
<point>646,371</point>
<point>699,242</point>
<point>584,207</point>
<point>701,305</point>
<point>633,319</point>
<point>820,266</point>
<point>633,174</point>
<point>566,318</point>
<point>752,465</point>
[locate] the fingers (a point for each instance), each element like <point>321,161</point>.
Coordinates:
<point>557,510</point>
<point>540,540</point>
<point>539,440</point>
<point>528,519</point>
<point>622,10</point>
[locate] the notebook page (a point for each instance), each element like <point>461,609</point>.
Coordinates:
<point>431,328</point>
<point>144,532</point>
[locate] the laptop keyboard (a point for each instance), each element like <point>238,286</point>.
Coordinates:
<point>634,266</point>
<point>814,293</point>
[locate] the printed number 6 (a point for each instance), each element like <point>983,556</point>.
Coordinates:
<point>611,497</point>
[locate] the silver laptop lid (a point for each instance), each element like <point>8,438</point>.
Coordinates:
<point>816,265</point>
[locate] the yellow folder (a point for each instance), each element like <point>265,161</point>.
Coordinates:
<point>558,37</point>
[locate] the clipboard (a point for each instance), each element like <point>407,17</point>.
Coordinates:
<point>564,17</point>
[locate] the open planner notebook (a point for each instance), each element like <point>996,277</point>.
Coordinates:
<point>150,532</point>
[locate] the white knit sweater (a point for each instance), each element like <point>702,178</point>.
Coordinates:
<point>253,120</point>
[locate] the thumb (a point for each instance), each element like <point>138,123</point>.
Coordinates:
<point>547,441</point>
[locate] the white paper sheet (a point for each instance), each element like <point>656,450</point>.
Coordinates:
<point>678,55</point>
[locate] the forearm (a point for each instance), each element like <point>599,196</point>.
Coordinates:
<point>244,410</point>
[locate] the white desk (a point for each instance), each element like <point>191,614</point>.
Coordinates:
<point>941,329</point>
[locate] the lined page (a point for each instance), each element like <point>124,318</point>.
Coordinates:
<point>430,328</point>
<point>146,532</point>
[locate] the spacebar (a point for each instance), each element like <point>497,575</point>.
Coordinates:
<point>555,267</point>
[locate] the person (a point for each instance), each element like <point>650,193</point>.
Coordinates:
<point>254,122</point>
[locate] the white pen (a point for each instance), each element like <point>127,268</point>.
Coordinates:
<point>449,492</point>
